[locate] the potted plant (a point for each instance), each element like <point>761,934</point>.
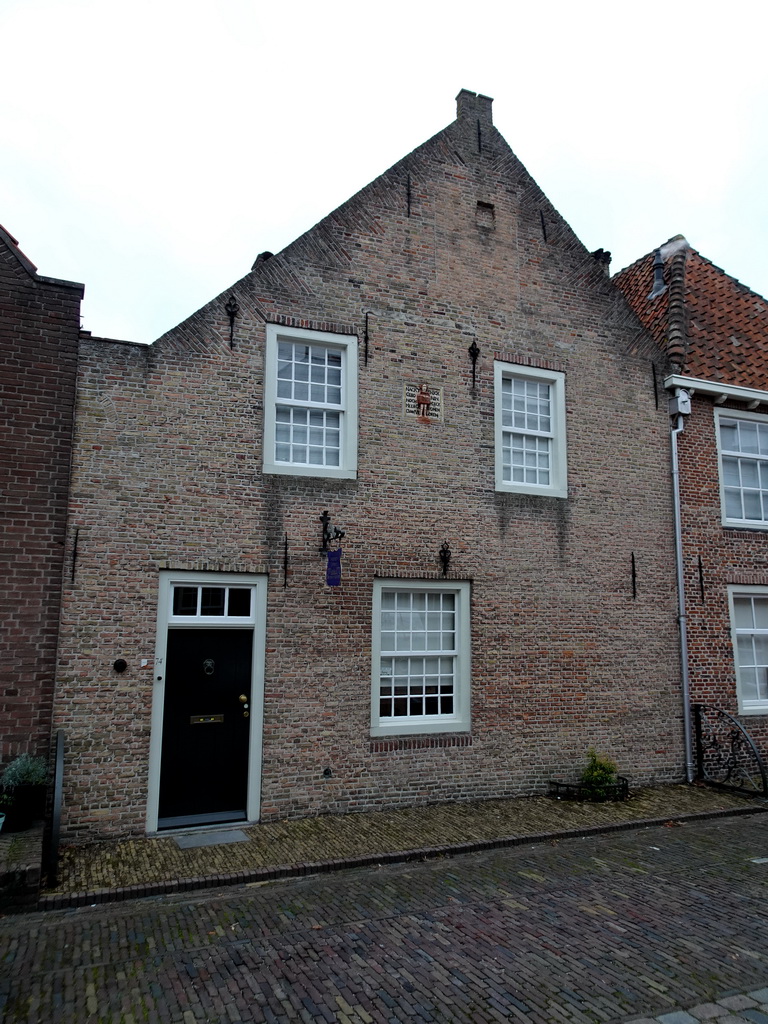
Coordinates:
<point>24,784</point>
<point>598,782</point>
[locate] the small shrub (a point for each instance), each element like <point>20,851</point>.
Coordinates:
<point>598,777</point>
<point>25,770</point>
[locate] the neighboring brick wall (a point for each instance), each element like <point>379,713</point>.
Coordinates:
<point>168,474</point>
<point>729,555</point>
<point>39,328</point>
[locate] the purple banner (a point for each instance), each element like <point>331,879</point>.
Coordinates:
<point>333,569</point>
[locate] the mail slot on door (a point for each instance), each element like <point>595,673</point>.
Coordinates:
<point>205,719</point>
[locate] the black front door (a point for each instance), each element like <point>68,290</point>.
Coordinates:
<point>206,725</point>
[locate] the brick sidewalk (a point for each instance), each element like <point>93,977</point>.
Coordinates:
<point>664,924</point>
<point>142,867</point>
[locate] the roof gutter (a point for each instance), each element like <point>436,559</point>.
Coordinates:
<point>720,392</point>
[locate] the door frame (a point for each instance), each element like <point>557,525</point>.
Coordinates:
<point>257,621</point>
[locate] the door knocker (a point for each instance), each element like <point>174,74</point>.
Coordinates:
<point>208,666</point>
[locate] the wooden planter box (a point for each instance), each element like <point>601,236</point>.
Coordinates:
<point>618,790</point>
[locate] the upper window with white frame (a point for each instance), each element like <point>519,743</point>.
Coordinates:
<point>421,657</point>
<point>530,430</point>
<point>310,403</point>
<point>743,445</point>
<point>191,600</point>
<point>749,623</point>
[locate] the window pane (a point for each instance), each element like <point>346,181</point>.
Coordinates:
<point>733,507</point>
<point>212,600</point>
<point>748,681</point>
<point>402,641</point>
<point>760,605</point>
<point>761,650</point>
<point>239,601</point>
<point>749,474</point>
<point>731,472</point>
<point>747,437</point>
<point>729,436</point>
<point>742,612</point>
<point>752,505</point>
<point>185,600</point>
<point>745,650</point>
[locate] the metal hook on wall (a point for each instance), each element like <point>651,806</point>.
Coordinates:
<point>474,352</point>
<point>232,308</point>
<point>445,557</point>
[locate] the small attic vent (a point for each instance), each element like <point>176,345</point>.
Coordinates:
<point>485,216</point>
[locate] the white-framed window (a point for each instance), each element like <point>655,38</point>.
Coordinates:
<point>530,430</point>
<point>742,441</point>
<point>749,629</point>
<point>421,657</point>
<point>310,403</point>
<point>194,603</point>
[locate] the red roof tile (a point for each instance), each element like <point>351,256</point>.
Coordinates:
<point>725,323</point>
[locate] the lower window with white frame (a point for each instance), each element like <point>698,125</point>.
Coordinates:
<point>749,624</point>
<point>421,657</point>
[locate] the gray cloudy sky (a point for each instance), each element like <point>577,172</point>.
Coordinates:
<point>152,149</point>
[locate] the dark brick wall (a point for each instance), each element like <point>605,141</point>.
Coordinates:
<point>167,473</point>
<point>39,328</point>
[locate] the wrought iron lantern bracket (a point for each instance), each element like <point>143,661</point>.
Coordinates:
<point>329,533</point>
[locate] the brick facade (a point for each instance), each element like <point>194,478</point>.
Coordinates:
<point>39,328</point>
<point>452,246</point>
<point>729,556</point>
<point>713,329</point>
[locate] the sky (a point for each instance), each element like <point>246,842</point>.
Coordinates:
<point>151,150</point>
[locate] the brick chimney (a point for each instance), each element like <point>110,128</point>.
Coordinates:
<point>475,107</point>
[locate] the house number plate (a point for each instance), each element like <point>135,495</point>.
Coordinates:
<point>205,719</point>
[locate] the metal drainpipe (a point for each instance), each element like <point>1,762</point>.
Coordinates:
<point>678,428</point>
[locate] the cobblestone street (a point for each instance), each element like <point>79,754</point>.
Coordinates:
<point>610,928</point>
